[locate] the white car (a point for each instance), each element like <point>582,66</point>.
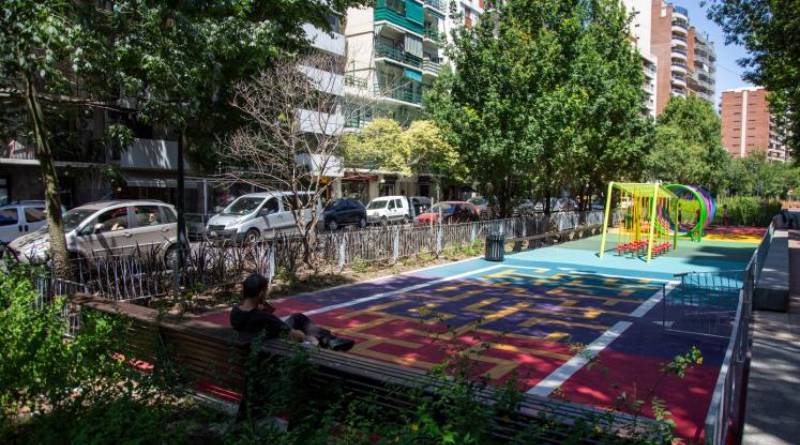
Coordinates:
<point>20,218</point>
<point>109,228</point>
<point>257,216</point>
<point>389,209</point>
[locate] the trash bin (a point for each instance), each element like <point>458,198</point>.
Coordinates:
<point>495,247</point>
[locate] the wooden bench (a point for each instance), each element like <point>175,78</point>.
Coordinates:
<point>213,357</point>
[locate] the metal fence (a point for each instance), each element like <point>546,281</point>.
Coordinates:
<point>725,419</point>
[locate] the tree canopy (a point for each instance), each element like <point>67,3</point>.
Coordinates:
<point>766,28</point>
<point>383,144</point>
<point>688,145</point>
<point>547,95</point>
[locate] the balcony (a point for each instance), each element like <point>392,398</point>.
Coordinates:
<point>394,12</point>
<point>351,80</point>
<point>433,35</point>
<point>312,121</point>
<point>92,152</point>
<point>680,12</point>
<point>435,4</point>
<point>679,53</point>
<point>431,67</point>
<point>679,81</point>
<point>403,93</point>
<point>679,67</point>
<point>330,43</point>
<point>396,54</point>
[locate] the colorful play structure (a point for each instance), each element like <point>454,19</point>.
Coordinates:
<point>651,217</point>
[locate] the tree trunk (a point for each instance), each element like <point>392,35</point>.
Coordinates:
<point>44,154</point>
<point>180,207</point>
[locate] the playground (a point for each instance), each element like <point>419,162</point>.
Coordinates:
<point>557,321</point>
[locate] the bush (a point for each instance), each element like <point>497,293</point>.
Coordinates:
<point>748,210</point>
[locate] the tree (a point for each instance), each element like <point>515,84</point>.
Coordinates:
<point>293,138</point>
<point>688,146</point>
<point>546,95</point>
<point>763,27</point>
<point>755,175</point>
<point>42,47</point>
<point>383,144</point>
<point>175,63</point>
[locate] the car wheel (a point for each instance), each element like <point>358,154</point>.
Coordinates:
<point>406,219</point>
<point>362,222</point>
<point>333,225</point>
<point>252,236</point>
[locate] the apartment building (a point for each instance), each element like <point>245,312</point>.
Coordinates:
<point>748,126</point>
<point>393,56</point>
<point>641,33</point>
<point>686,56</point>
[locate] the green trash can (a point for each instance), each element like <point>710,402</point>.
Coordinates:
<point>495,247</point>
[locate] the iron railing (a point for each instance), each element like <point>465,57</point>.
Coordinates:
<point>397,54</point>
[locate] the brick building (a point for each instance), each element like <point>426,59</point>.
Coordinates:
<point>748,126</point>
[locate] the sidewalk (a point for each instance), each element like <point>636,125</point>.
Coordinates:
<point>773,398</point>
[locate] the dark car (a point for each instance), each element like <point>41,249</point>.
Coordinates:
<point>420,204</point>
<point>450,212</point>
<point>344,212</point>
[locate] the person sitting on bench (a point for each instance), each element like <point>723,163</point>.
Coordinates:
<point>254,316</point>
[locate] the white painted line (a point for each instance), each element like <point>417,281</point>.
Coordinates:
<point>557,378</point>
<point>399,291</point>
<point>376,279</point>
<point>645,307</point>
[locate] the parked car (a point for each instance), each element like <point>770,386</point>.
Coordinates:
<point>449,212</point>
<point>109,228</point>
<point>419,204</point>
<point>483,205</point>
<point>22,217</point>
<point>389,209</point>
<point>257,216</point>
<point>344,212</point>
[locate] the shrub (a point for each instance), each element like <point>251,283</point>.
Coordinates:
<point>748,210</point>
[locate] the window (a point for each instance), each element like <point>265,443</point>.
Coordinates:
<point>391,205</point>
<point>169,215</point>
<point>271,206</point>
<point>34,214</point>
<point>398,203</point>
<point>112,220</point>
<point>8,217</point>
<point>5,193</point>
<point>147,216</point>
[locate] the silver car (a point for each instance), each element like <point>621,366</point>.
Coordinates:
<point>109,228</point>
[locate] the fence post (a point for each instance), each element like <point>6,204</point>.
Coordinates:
<point>395,245</point>
<point>271,263</point>
<point>342,253</point>
<point>474,233</point>
<point>439,240</point>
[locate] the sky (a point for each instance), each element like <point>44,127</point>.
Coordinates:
<point>729,73</point>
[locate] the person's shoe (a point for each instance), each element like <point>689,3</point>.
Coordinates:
<point>340,344</point>
<point>329,341</point>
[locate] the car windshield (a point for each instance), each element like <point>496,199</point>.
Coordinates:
<point>442,207</point>
<point>74,217</point>
<point>378,204</point>
<point>243,206</point>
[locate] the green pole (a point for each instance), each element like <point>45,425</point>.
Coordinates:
<point>652,223</point>
<point>605,219</point>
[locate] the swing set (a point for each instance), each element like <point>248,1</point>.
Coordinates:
<point>644,227</point>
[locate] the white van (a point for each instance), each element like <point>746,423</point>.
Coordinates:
<point>22,217</point>
<point>389,209</point>
<point>257,216</point>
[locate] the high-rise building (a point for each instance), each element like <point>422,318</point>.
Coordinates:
<point>748,126</point>
<point>686,56</point>
<point>393,56</point>
<point>641,32</point>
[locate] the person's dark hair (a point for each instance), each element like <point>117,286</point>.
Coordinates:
<point>254,285</point>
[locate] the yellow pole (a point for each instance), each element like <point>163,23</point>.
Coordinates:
<point>605,219</point>
<point>652,226</point>
<point>675,234</point>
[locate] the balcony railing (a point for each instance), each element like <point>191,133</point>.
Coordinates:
<point>397,54</point>
<point>680,64</point>
<point>435,4</point>
<point>679,51</point>
<point>433,34</point>
<point>431,67</point>
<point>92,152</point>
<point>351,80</point>
<point>680,10</point>
<point>679,37</point>
<point>400,92</point>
